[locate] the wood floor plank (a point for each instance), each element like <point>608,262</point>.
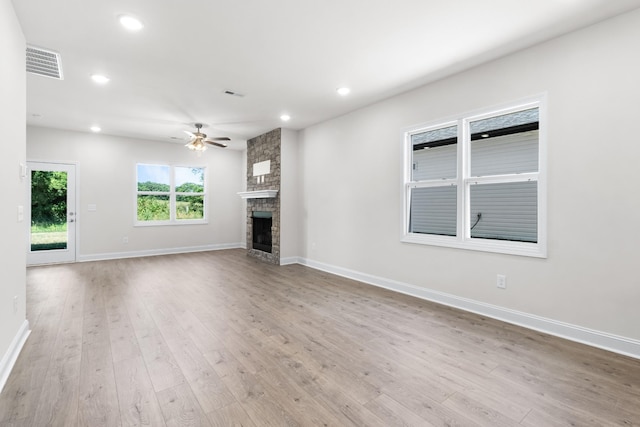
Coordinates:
<point>249,390</point>
<point>564,417</point>
<point>25,422</point>
<point>232,415</point>
<point>58,403</point>
<point>98,399</point>
<point>21,393</point>
<point>162,366</point>
<point>207,386</point>
<point>136,397</point>
<point>479,413</point>
<point>392,413</point>
<point>217,338</point>
<point>122,336</point>
<point>181,408</point>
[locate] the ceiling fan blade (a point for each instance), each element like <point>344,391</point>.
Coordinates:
<point>217,144</point>
<point>220,138</point>
<point>191,134</point>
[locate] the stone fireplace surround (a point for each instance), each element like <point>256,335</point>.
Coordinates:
<point>259,149</point>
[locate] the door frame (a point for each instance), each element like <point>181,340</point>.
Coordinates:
<point>55,256</point>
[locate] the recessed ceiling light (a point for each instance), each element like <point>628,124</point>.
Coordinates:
<point>130,23</point>
<point>285,117</point>
<point>95,129</point>
<point>343,91</point>
<point>100,79</point>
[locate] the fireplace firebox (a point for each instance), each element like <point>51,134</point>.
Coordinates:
<point>262,222</point>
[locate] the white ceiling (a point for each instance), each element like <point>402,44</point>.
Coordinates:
<point>282,55</point>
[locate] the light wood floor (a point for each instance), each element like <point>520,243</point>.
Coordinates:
<point>219,339</point>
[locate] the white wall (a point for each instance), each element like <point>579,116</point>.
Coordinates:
<point>289,195</point>
<point>13,247</point>
<point>352,192</point>
<point>106,178</point>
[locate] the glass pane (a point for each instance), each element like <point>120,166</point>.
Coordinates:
<point>505,144</point>
<point>189,207</point>
<point>433,210</point>
<point>434,154</point>
<point>189,180</point>
<point>153,177</point>
<point>153,208</point>
<point>48,210</point>
<point>507,211</point>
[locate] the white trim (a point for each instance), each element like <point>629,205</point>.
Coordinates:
<point>10,357</point>
<point>258,194</point>
<point>615,343</point>
<point>291,260</point>
<point>173,194</point>
<point>154,252</point>
<point>462,181</point>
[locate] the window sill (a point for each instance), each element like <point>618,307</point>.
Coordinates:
<point>169,223</point>
<point>536,250</point>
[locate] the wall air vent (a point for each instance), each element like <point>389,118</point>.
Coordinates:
<point>44,62</point>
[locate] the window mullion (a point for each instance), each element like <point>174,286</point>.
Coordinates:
<point>172,197</point>
<point>463,173</point>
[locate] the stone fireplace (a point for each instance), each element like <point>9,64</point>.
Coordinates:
<point>263,197</point>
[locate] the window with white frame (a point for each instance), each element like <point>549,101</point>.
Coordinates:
<point>167,195</point>
<point>477,182</point>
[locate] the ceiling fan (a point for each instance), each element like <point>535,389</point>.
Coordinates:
<point>199,140</point>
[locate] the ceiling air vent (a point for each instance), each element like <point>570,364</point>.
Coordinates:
<point>44,62</point>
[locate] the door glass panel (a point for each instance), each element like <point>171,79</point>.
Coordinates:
<point>48,210</point>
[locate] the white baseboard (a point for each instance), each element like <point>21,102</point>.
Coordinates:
<point>291,260</point>
<point>10,357</point>
<point>154,252</point>
<point>603,340</point>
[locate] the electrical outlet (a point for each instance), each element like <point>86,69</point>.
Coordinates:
<point>501,282</point>
<point>125,240</point>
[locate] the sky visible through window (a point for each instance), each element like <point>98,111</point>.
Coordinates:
<point>153,173</point>
<point>160,174</point>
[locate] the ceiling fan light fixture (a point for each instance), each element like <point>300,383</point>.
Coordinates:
<point>196,145</point>
<point>199,140</point>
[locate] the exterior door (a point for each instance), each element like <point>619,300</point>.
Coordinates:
<point>52,213</point>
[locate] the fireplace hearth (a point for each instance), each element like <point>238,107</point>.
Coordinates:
<point>261,226</point>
